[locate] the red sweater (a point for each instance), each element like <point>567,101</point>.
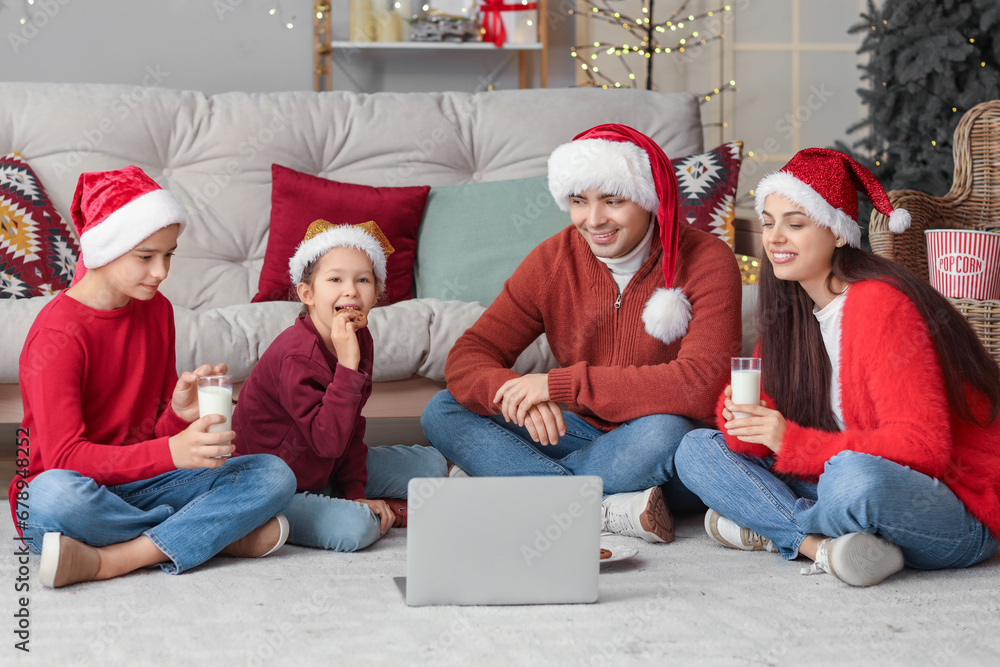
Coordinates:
<point>96,387</point>
<point>895,406</point>
<point>612,370</point>
<point>303,407</point>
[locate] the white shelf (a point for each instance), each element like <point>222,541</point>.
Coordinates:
<point>457,46</point>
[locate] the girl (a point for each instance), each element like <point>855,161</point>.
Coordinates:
<point>877,442</point>
<point>303,400</point>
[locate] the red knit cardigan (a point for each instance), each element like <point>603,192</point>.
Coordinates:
<point>895,406</point>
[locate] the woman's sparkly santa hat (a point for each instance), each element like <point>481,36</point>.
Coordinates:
<point>322,237</point>
<point>825,184</point>
<point>113,211</point>
<point>620,161</point>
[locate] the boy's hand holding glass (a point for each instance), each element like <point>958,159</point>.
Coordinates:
<point>195,447</point>
<point>763,426</point>
<point>185,399</point>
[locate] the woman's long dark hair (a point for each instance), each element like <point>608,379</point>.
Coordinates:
<point>795,365</point>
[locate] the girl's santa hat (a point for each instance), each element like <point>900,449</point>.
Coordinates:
<point>620,161</point>
<point>825,184</point>
<point>322,237</point>
<point>113,211</point>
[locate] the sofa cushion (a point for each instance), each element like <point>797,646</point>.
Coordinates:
<point>475,235</point>
<point>38,249</point>
<point>298,199</point>
<point>707,183</point>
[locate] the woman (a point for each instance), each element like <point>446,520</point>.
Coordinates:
<point>877,442</point>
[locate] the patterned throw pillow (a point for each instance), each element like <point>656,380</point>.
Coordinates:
<point>38,250</point>
<point>707,183</point>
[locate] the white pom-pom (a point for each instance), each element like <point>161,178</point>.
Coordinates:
<point>667,314</point>
<point>899,220</point>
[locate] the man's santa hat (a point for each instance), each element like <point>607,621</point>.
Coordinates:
<point>113,211</point>
<point>620,161</point>
<point>322,237</point>
<point>825,183</point>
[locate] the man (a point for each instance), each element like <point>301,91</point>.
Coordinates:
<point>642,313</point>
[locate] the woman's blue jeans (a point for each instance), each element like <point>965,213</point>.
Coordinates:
<point>635,456</point>
<point>190,515</point>
<point>857,493</point>
<point>319,520</point>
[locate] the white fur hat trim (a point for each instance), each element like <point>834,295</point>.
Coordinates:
<point>343,236</point>
<point>667,314</point>
<point>128,226</point>
<point>816,207</point>
<point>618,168</point>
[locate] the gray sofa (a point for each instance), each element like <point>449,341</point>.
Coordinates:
<point>215,155</point>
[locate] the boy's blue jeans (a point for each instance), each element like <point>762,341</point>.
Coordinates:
<point>857,493</point>
<point>190,515</point>
<point>635,456</point>
<point>319,520</point>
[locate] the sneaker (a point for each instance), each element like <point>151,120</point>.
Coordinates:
<point>639,514</point>
<point>398,507</point>
<point>455,471</point>
<point>261,541</point>
<point>66,561</point>
<point>857,559</point>
<point>730,534</point>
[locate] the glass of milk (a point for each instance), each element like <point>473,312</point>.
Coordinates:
<point>215,397</point>
<point>745,380</point>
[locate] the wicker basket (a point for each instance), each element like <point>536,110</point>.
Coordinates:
<point>973,202</point>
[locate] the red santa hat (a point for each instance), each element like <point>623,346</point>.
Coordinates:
<point>620,161</point>
<point>113,211</point>
<point>825,183</point>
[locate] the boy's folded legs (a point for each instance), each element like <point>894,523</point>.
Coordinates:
<point>167,515</point>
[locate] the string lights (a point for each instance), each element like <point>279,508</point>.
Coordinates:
<point>646,38</point>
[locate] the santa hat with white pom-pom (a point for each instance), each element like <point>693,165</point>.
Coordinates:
<point>620,161</point>
<point>825,183</point>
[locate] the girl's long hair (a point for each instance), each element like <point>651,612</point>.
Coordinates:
<point>795,365</point>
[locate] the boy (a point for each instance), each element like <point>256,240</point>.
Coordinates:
<point>122,473</point>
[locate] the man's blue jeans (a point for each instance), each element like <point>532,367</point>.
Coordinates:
<point>635,456</point>
<point>190,515</point>
<point>857,493</point>
<point>319,520</point>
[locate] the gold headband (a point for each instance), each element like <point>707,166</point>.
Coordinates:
<point>317,227</point>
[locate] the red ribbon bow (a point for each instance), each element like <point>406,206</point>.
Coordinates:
<point>494,25</point>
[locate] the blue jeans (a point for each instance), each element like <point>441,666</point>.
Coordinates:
<point>633,457</point>
<point>319,520</point>
<point>190,515</point>
<point>857,493</point>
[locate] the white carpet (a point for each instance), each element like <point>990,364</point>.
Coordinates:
<point>690,602</point>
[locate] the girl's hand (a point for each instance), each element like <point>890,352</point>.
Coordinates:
<point>185,399</point>
<point>381,509</point>
<point>344,337</point>
<point>764,426</point>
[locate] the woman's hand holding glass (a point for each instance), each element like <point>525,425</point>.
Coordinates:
<point>764,426</point>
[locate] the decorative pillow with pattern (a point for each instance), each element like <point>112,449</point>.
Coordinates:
<point>707,183</point>
<point>38,249</point>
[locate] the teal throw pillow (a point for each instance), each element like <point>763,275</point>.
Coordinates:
<point>473,236</point>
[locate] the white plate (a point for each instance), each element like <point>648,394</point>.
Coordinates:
<point>620,549</point>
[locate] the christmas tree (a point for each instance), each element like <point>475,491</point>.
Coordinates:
<point>930,62</point>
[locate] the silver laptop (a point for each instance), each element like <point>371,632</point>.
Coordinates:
<point>503,540</point>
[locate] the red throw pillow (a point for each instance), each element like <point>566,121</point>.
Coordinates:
<point>38,250</point>
<point>298,199</point>
<point>707,183</point>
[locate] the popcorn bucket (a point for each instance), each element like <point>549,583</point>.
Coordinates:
<point>964,264</point>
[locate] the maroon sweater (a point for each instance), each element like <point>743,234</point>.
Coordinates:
<point>304,408</point>
<point>612,370</point>
<point>895,406</point>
